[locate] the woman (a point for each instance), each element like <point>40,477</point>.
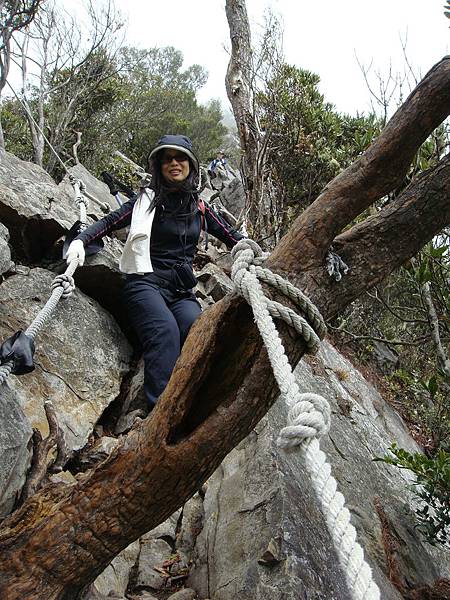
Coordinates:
<point>166,220</point>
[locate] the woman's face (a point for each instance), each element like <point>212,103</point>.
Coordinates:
<point>174,166</point>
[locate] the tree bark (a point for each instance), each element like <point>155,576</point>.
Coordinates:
<point>240,92</point>
<point>222,385</point>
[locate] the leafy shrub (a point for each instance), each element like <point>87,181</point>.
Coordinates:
<point>432,487</point>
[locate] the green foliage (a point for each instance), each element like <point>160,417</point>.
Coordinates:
<point>161,98</point>
<point>397,311</point>
<point>311,143</point>
<point>432,487</point>
<point>123,171</point>
<point>15,128</point>
<point>425,400</point>
<point>124,103</point>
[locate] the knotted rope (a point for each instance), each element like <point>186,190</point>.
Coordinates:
<point>62,286</point>
<point>309,414</point>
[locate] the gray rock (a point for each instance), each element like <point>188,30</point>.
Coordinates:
<point>386,358</point>
<point>126,422</point>
<point>186,594</point>
<point>15,456</point>
<point>93,594</point>
<point>5,254</point>
<point>100,279</point>
<point>215,283</point>
<point>153,554</point>
<point>116,577</point>
<point>134,403</point>
<point>191,526</point>
<point>32,207</point>
<point>98,452</point>
<point>95,187</point>
<point>264,534</point>
<point>166,530</point>
<point>65,477</point>
<point>81,356</point>
<point>38,213</point>
<point>233,197</point>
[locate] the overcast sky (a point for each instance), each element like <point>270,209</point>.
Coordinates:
<point>324,37</point>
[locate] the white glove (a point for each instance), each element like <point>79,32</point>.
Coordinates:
<point>76,251</point>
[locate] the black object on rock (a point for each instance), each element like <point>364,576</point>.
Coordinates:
<point>20,349</point>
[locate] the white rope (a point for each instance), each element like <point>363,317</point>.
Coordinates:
<point>62,286</point>
<point>309,414</point>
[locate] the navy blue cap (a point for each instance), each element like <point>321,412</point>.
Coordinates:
<point>176,142</point>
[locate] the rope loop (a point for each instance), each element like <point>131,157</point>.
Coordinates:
<point>245,273</point>
<point>309,417</point>
<point>309,414</point>
<point>66,282</point>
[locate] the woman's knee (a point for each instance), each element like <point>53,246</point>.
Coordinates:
<point>186,319</point>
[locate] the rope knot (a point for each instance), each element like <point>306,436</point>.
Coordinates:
<point>247,244</point>
<point>66,282</point>
<point>309,417</point>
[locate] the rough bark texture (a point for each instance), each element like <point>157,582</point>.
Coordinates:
<point>239,90</point>
<point>222,385</point>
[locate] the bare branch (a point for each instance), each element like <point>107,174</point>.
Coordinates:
<point>417,342</point>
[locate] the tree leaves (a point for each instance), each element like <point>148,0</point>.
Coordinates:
<point>432,488</point>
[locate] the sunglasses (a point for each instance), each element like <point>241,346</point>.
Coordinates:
<point>168,158</point>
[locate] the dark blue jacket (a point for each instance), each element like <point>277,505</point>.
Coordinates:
<point>175,231</point>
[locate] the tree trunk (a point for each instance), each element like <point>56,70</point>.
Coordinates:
<point>240,91</point>
<point>222,385</point>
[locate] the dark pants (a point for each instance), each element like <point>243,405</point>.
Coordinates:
<point>161,319</point>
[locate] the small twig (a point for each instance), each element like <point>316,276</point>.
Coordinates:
<point>41,449</point>
<point>377,296</point>
<point>379,339</point>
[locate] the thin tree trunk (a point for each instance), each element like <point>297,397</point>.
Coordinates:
<point>442,358</point>
<point>239,90</point>
<point>222,385</point>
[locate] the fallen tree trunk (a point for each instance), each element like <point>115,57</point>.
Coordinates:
<point>64,536</point>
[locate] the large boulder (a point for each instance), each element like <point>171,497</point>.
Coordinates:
<point>32,206</point>
<point>264,534</point>
<point>233,197</point>
<point>80,359</point>
<point>94,186</point>
<point>36,210</point>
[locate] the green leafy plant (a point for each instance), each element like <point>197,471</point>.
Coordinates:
<point>432,487</point>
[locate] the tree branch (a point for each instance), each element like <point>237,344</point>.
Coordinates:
<point>378,171</point>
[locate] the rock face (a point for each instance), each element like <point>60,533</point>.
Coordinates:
<point>233,196</point>
<point>80,359</point>
<point>15,455</point>
<point>264,535</point>
<point>116,576</point>
<point>32,206</point>
<point>94,186</point>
